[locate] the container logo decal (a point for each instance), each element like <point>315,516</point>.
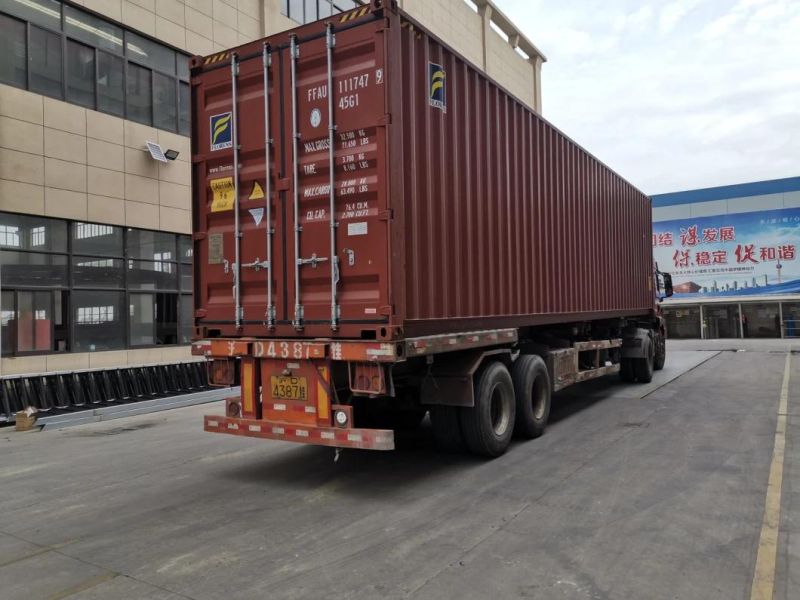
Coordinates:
<point>436,87</point>
<point>221,132</point>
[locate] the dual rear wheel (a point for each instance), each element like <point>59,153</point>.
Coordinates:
<point>505,402</point>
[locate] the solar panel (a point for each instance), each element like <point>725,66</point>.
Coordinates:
<point>156,152</point>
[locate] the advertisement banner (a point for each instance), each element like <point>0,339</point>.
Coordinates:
<point>744,254</point>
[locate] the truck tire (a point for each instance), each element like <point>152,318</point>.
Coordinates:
<point>661,352</point>
<point>626,370</point>
<point>488,426</point>
<point>532,390</point>
<point>446,428</point>
<point>643,367</point>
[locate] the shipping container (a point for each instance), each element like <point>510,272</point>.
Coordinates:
<point>360,187</point>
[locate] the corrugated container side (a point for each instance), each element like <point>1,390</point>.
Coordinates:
<point>510,221</point>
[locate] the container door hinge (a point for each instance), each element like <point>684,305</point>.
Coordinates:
<point>385,120</point>
<point>386,310</point>
<point>199,235</point>
<point>386,215</point>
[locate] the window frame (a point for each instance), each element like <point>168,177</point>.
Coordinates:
<point>175,77</point>
<point>179,265</point>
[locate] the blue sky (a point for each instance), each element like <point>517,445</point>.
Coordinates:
<point>676,94</point>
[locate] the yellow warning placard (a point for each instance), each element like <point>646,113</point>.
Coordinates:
<point>223,194</point>
<point>257,193</point>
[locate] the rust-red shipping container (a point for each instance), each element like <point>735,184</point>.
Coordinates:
<point>454,208</point>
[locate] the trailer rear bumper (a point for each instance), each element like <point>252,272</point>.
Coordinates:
<point>337,437</point>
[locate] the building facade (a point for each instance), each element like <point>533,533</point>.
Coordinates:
<point>95,250</point>
<point>733,253</point>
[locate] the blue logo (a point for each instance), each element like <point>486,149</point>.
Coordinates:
<point>437,87</point>
<point>221,132</point>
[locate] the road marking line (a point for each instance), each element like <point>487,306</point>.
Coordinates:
<point>764,576</point>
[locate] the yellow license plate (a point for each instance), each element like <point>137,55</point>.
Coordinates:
<point>288,388</point>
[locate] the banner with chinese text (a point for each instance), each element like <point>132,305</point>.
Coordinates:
<point>731,255</point>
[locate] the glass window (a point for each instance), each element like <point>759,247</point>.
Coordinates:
<point>33,269</point>
<point>184,112</point>
<point>12,52</point>
<point>34,322</point>
<point>44,62</point>
<point>152,275</point>
<point>149,53</point>
<point>141,311</point>
<point>721,321</point>
<point>183,66</point>
<point>92,30</point>
<point>166,319</point>
<point>151,245</point>
<point>92,271</point>
<point>295,10</point>
<point>311,11</point>
<point>185,248</point>
<point>32,233</point>
<point>8,321</point>
<point>325,9</point>
<point>186,278</point>
<point>186,318</point>
<point>41,12</point>
<point>97,318</point>
<point>164,102</point>
<point>140,95</point>
<point>682,322</point>
<point>80,74</point>
<point>110,84</point>
<point>761,320</point>
<point>96,239</point>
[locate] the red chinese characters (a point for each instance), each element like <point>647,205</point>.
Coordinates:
<point>702,258</point>
<point>745,253</point>
<point>727,234</point>
<point>787,252</point>
<point>689,236</point>
<point>681,258</point>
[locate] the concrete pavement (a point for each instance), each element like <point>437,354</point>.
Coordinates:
<point>635,491</point>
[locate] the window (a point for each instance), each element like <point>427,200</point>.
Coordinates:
<point>110,84</point>
<point>98,240</point>
<point>184,109</point>
<point>140,94</point>
<point>97,272</point>
<point>34,326</point>
<point>85,287</point>
<point>80,74</point>
<point>44,62</point>
<point>98,321</point>
<point>153,319</point>
<point>91,62</point>
<point>28,232</point>
<point>306,11</point>
<point>41,12</point>
<point>186,318</point>
<point>92,30</point>
<point>151,244</point>
<point>12,52</point>
<point>33,269</point>
<point>150,54</point>
<point>164,102</point>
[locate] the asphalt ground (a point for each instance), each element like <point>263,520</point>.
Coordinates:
<point>645,492</point>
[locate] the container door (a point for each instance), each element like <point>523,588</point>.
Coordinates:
<point>237,270</point>
<point>337,218</point>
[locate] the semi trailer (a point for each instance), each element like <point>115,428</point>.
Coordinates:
<point>381,231</point>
